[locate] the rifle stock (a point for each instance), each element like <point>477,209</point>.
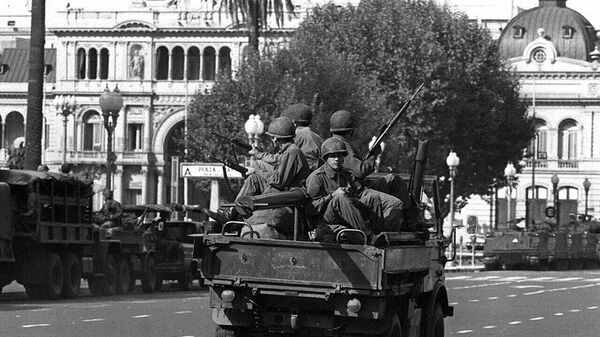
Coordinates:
<point>236,167</point>
<point>385,129</point>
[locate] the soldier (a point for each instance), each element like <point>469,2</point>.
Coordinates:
<point>307,140</point>
<point>391,189</point>
<point>290,170</point>
<point>334,198</point>
<point>111,212</point>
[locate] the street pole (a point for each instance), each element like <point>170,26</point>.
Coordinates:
<point>452,161</point>
<point>586,187</point>
<point>509,172</point>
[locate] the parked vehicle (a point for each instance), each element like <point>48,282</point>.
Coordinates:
<point>392,285</point>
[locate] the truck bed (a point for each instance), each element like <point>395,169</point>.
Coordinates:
<point>319,267</point>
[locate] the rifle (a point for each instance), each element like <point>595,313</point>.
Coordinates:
<point>234,166</point>
<point>234,142</point>
<point>385,128</point>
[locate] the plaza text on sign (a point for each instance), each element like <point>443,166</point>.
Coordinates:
<point>206,170</point>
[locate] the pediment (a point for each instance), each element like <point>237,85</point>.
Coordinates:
<point>559,64</point>
<point>134,25</point>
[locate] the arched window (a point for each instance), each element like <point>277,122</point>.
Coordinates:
<point>225,61</point>
<point>178,63</point>
<point>92,64</point>
<point>568,140</point>
<point>567,198</point>
<point>162,63</point>
<point>81,63</point>
<point>92,131</point>
<point>208,64</point>
<point>103,63</point>
<point>540,139</point>
<point>14,127</point>
<point>193,67</point>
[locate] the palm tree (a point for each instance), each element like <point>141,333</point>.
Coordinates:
<point>35,90</point>
<point>254,13</point>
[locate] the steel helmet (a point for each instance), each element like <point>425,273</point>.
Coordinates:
<point>333,146</point>
<point>299,113</point>
<point>282,127</point>
<point>340,121</point>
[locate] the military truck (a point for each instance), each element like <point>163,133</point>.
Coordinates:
<point>391,285</point>
<point>46,232</point>
<point>148,247</point>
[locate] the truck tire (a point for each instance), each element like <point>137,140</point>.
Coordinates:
<point>123,276</point>
<point>435,327</point>
<point>54,276</point>
<point>228,331</point>
<point>95,285</point>
<point>72,276</point>
<point>149,277</point>
<point>395,329</point>
<point>109,282</point>
<point>34,291</point>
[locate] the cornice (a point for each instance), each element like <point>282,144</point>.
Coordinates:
<point>559,75</point>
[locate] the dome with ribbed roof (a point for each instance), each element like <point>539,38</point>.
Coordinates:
<point>571,33</point>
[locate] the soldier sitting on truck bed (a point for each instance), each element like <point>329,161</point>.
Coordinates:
<point>391,189</point>
<point>291,169</point>
<point>335,198</point>
<point>111,212</point>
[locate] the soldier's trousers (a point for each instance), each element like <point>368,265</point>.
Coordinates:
<point>395,186</point>
<point>392,209</point>
<point>351,212</point>
<point>256,183</point>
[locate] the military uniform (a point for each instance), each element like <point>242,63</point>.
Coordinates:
<point>310,144</point>
<point>111,211</point>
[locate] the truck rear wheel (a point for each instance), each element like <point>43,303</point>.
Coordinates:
<point>54,276</point>
<point>72,276</point>
<point>435,327</point>
<point>149,277</point>
<point>123,276</point>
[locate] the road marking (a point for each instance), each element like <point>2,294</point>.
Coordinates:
<point>473,301</point>
<point>183,312</point>
<point>514,278</point>
<point>515,322</point>
<point>457,277</point>
<point>454,303</point>
<point>557,289</point>
<point>484,278</point>
<point>536,319</point>
<point>558,314</point>
<point>574,310</point>
<point>93,320</point>
<point>592,308</point>
<point>482,285</point>
<point>511,295</point>
<point>464,331</point>
<point>493,298</point>
<point>35,325</point>
<point>534,292</point>
<point>544,278</point>
<point>490,327</point>
<point>567,279</point>
<point>140,316</point>
<point>39,310</point>
<point>527,286</point>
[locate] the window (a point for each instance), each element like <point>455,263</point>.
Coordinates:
<point>208,64</point>
<point>225,62</point>
<point>541,139</point>
<point>568,32</point>
<point>542,193</point>
<point>178,63</point>
<point>539,55</point>
<point>103,63</point>
<point>193,68</point>
<point>162,63</point>
<point>92,132</point>
<point>568,193</point>
<point>46,134</point>
<point>568,138</point>
<point>134,137</point>
<point>518,32</point>
<point>81,63</point>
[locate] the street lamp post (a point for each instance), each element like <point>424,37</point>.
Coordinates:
<point>555,182</point>
<point>452,161</point>
<point>509,172</point>
<point>586,187</point>
<point>65,105</point>
<point>110,103</point>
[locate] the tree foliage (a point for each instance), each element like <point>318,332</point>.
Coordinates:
<point>369,59</point>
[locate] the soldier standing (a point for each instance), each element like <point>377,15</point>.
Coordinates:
<point>331,189</point>
<point>391,189</point>
<point>307,140</point>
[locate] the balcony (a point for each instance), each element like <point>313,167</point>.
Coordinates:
<point>564,164</point>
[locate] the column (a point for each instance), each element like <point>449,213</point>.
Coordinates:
<point>160,186</point>
<point>217,61</point>
<point>98,64</point>
<point>148,131</point>
<point>185,65</point>
<point>200,65</point>
<point>170,77</point>
<point>121,131</point>
<point>118,183</point>
<point>3,145</point>
<point>87,64</point>
<point>144,173</point>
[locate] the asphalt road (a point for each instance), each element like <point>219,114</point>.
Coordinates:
<point>502,303</point>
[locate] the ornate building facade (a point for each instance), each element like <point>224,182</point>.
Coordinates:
<point>158,54</point>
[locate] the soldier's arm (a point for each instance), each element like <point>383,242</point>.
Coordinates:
<point>360,169</point>
<point>316,191</point>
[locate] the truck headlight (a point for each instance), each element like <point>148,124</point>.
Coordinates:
<point>354,305</point>
<point>228,295</point>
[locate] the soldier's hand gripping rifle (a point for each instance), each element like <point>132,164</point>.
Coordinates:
<point>234,142</point>
<point>383,131</point>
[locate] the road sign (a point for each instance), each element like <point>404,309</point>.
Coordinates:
<point>206,170</point>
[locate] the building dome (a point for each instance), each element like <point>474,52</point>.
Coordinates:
<point>571,33</point>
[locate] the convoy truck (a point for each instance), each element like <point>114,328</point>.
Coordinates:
<point>391,285</point>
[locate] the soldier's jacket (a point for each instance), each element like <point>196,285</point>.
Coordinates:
<point>291,170</point>
<point>322,182</point>
<point>359,168</point>
<point>112,210</point>
<point>310,144</point>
